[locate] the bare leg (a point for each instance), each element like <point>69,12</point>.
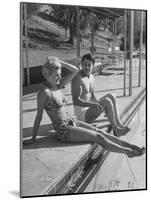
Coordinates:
<point>115,107</point>
<point>119,141</point>
<point>79,134</point>
<point>108,136</point>
<point>107,104</point>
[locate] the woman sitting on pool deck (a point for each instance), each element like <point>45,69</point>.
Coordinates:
<point>67,128</point>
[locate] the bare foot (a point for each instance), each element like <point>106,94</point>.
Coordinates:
<point>136,153</point>
<point>122,131</point>
<point>143,150</point>
<point>137,148</point>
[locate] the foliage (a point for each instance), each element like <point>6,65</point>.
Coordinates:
<point>137,26</point>
<point>32,8</point>
<point>66,17</point>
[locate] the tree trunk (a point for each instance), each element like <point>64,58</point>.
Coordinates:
<point>71,38</point>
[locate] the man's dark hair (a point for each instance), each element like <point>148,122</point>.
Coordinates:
<point>88,57</point>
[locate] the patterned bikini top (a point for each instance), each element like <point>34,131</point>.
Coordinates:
<point>54,104</point>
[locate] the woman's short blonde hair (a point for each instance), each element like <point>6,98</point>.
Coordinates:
<point>51,64</point>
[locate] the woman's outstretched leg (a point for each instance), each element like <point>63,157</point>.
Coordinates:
<point>118,141</point>
<point>109,137</point>
<point>79,134</point>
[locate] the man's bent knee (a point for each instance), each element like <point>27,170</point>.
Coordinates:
<point>111,96</point>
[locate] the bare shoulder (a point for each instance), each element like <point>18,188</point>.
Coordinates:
<point>42,94</point>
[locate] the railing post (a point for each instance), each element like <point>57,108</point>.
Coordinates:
<point>140,50</point>
<point>92,33</point>
<point>125,51</point>
<point>78,32</point>
<point>131,50</point>
<point>26,42</point>
<point>21,43</point>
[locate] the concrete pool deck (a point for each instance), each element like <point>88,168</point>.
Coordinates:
<point>44,161</point>
<point>126,173</point>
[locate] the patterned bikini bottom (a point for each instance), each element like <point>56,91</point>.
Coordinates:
<point>62,128</point>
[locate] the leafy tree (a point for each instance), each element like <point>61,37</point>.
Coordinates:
<point>66,16</point>
<point>137,25</point>
<point>32,8</point>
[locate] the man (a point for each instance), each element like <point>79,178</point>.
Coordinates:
<point>86,106</point>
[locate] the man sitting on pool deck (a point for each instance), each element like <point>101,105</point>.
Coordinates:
<point>86,107</point>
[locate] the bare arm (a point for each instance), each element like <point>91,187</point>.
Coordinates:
<point>93,97</point>
<point>41,98</point>
<point>72,72</point>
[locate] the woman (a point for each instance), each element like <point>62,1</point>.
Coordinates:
<point>67,128</point>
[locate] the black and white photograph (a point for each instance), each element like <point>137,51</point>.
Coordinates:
<point>83,105</point>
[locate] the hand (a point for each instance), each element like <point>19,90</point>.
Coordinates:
<point>52,58</point>
<point>96,106</point>
<point>27,142</point>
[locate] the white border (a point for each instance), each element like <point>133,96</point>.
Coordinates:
<point>9,100</point>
